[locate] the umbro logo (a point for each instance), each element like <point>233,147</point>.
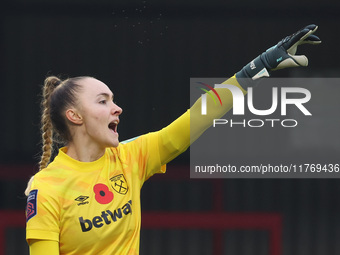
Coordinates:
<point>82,200</point>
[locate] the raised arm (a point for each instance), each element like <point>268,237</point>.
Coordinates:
<point>175,138</point>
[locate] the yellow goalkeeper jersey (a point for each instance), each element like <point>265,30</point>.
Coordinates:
<point>93,207</point>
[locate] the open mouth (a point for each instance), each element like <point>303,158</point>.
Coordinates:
<point>113,126</point>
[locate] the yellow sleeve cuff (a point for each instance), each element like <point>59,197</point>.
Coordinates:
<point>42,247</point>
<point>42,235</point>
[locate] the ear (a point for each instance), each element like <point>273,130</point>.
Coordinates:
<point>73,116</point>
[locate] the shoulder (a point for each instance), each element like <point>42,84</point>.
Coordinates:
<point>140,140</point>
<point>135,146</point>
<point>51,179</point>
<point>51,172</point>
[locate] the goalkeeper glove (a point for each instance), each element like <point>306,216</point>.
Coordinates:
<point>280,56</point>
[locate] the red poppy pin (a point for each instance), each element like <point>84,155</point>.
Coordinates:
<point>103,194</point>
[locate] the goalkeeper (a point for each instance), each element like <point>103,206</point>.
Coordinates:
<point>87,200</point>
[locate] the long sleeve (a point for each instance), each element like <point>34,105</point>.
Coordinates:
<point>177,137</point>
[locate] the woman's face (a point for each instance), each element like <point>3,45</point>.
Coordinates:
<point>99,114</point>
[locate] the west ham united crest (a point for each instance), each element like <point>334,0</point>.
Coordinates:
<point>119,184</point>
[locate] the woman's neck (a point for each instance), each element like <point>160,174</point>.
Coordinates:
<point>84,153</point>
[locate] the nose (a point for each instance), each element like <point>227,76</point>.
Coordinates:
<point>116,110</point>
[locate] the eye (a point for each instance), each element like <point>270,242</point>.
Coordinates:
<point>102,101</point>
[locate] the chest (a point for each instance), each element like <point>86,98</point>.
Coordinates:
<point>102,206</point>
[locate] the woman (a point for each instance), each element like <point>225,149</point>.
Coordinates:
<point>87,200</point>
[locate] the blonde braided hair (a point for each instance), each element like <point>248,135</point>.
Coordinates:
<point>46,125</point>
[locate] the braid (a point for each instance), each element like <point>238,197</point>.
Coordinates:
<point>46,124</point>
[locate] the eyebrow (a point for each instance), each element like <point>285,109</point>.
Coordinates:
<point>105,95</point>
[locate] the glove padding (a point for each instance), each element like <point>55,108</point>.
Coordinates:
<point>282,55</point>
